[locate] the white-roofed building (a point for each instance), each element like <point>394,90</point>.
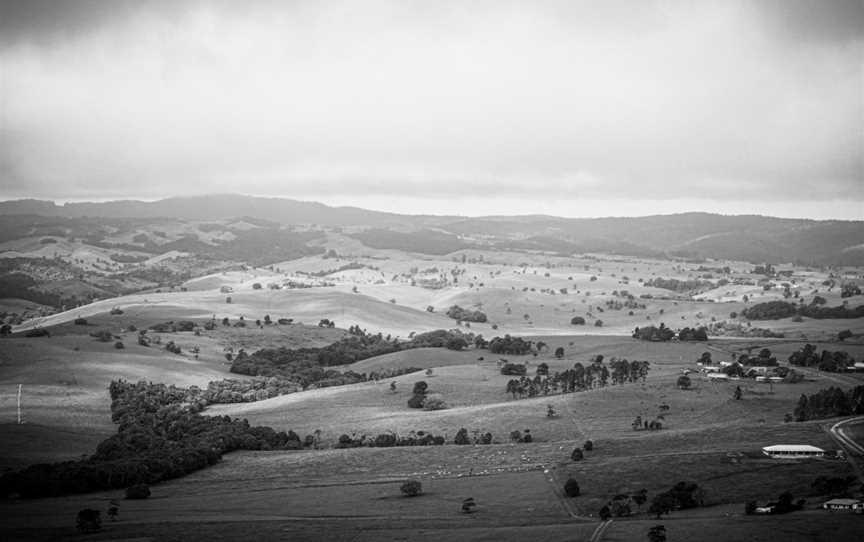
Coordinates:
<point>792,451</point>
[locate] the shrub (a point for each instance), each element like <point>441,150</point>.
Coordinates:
<point>683,382</point>
<point>412,488</point>
<point>434,403</point>
<point>88,520</point>
<point>416,401</point>
<point>37,332</point>
<point>458,313</point>
<point>139,491</point>
<point>577,454</point>
<point>461,437</point>
<point>577,321</point>
<point>598,323</point>
<point>571,488</point>
<point>588,446</point>
<point>80,322</point>
<point>103,335</point>
<point>119,345</point>
<point>516,369</point>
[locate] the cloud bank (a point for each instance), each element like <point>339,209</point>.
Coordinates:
<point>734,104</point>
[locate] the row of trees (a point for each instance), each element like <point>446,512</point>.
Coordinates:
<point>775,310</point>
<point>829,403</point>
<point>835,362</point>
<point>581,377</point>
<point>663,333</point>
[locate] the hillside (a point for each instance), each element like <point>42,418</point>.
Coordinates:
<point>689,235</point>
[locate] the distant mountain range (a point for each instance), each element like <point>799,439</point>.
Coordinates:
<point>688,235</point>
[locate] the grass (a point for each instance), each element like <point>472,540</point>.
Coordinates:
<point>354,494</point>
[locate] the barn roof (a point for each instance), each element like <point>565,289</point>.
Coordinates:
<point>792,448</point>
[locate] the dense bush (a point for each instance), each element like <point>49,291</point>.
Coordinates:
<point>509,345</point>
<point>411,488</point>
<point>693,334</point>
<point>654,334</point>
<point>571,488</point>
<point>834,362</point>
<point>678,285</point>
<point>88,520</point>
<point>771,310</point>
<point>829,403</point>
<point>517,369</point>
<point>160,436</point>
<point>682,495</point>
<point>138,491</point>
<point>458,313</point>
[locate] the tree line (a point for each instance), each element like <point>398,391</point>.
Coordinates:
<point>160,435</point>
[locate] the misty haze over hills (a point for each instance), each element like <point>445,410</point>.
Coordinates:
<point>686,235</point>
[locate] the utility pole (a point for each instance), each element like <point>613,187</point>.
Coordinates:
<point>19,404</point>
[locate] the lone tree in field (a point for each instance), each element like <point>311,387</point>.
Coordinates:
<point>559,352</point>
<point>469,506</point>
<point>684,382</point>
<point>657,533</point>
<point>588,446</point>
<point>577,454</point>
<point>411,488</point>
<point>140,491</point>
<point>88,520</point>
<point>571,488</point>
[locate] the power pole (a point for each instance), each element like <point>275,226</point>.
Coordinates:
<point>19,404</point>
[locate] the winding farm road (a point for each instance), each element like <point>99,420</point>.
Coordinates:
<point>839,431</point>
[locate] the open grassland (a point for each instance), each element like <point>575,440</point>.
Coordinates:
<point>353,494</point>
<point>475,393</point>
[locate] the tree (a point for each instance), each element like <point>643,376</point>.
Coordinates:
<point>843,335</point>
<point>577,454</point>
<point>684,382</point>
<point>571,488</point>
<point>461,437</point>
<point>559,352</point>
<point>412,488</point>
<point>88,520</point>
<point>737,394</point>
<point>662,504</point>
<point>657,533</point>
<point>598,323</point>
<point>588,446</point>
<point>543,369</point>
<point>113,511</point>
<point>577,321</point>
<point>605,513</point>
<point>256,286</point>
<point>139,491</point>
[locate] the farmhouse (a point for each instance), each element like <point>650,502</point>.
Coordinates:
<point>792,451</point>
<point>850,505</point>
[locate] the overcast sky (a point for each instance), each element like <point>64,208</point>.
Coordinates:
<point>569,108</point>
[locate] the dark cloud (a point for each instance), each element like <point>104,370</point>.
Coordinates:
<point>820,21</point>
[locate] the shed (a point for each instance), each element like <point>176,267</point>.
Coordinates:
<point>792,451</point>
<point>844,505</point>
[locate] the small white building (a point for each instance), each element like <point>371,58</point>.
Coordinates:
<point>718,376</point>
<point>792,451</point>
<point>849,505</point>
